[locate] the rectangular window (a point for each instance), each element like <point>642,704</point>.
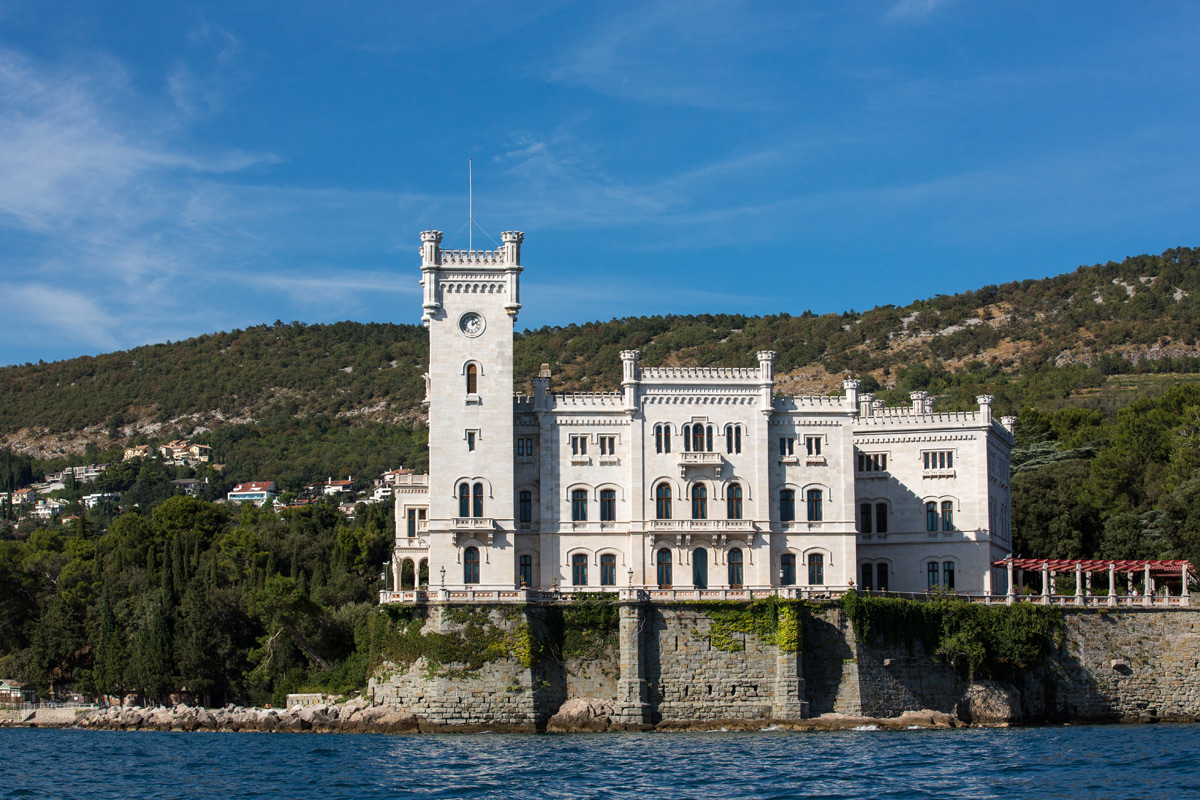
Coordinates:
<point>868,574</point>
<point>579,566</point>
<point>881,517</point>
<point>933,575</point>
<point>412,523</point>
<point>938,459</point>
<point>470,440</point>
<point>881,577</point>
<point>608,445</point>
<point>787,569</point>
<point>872,462</point>
<point>787,446</point>
<point>816,569</point>
<point>579,502</point>
<point>814,505</point>
<point>579,445</point>
<point>812,444</point>
<point>608,570</point>
<point>608,505</point>
<point>947,515</point>
<point>525,507</point>
<point>864,516</point>
<point>527,571</point>
<point>931,516</point>
<point>524,447</point>
<point>787,505</point>
<point>948,574</point>
<point>520,447</point>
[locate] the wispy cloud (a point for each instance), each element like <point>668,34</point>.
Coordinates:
<point>915,9</point>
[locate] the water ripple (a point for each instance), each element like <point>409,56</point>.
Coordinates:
<point>1047,763</point>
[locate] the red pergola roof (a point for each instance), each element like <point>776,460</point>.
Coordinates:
<point>1158,567</point>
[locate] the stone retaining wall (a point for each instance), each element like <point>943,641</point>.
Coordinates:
<point>1113,665</point>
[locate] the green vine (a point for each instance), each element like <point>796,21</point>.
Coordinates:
<point>586,627</point>
<point>772,621</point>
<point>977,640</point>
<point>397,638</point>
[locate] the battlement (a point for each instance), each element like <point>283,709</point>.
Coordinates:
<point>905,416</point>
<point>588,400</point>
<point>797,402</point>
<point>700,374</point>
<point>487,258</point>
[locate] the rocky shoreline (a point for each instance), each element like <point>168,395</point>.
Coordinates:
<point>358,716</point>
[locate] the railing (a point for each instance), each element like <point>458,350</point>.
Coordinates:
<point>701,525</point>
<point>499,595</point>
<point>700,459</point>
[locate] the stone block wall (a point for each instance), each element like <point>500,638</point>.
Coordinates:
<point>1122,665</point>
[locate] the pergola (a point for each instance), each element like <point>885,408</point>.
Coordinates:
<point>1150,571</point>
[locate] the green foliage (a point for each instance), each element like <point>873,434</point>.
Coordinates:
<point>474,638</point>
<point>772,621</point>
<point>585,627</point>
<point>978,640</point>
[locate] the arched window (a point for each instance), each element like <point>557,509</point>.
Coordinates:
<point>472,379</point>
<point>686,433</point>
<point>864,518</point>
<point>658,438</point>
<point>464,499</point>
<point>526,571</point>
<point>814,505</point>
<point>947,515</point>
<point>665,431</point>
<point>608,505</point>
<point>733,501</point>
<point>881,514</point>
<point>478,500</point>
<point>579,504</point>
<point>868,576</point>
<point>787,569</point>
<point>662,501</point>
<point>579,569</point>
<point>816,569</point>
<point>931,516</point>
<point>525,507</point>
<point>608,570</point>
<point>471,565</point>
<point>787,505</point>
<point>664,568</point>
<point>698,438</point>
<point>735,568</point>
<point>708,438</point>
<point>700,568</point>
<point>699,501</point>
<point>733,439</point>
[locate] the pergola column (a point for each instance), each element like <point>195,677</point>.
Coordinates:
<point>1112,584</point>
<point>1078,584</point>
<point>1011,587</point>
<point>1046,582</point>
<point>1184,595</point>
<point>1147,592</point>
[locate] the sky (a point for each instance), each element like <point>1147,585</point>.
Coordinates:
<point>169,169</point>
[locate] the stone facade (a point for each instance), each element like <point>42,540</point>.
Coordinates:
<point>1113,666</point>
<point>685,479</point>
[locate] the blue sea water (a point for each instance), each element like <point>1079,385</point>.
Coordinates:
<point>1063,762</point>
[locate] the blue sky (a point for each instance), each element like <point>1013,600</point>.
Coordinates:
<point>170,169</point>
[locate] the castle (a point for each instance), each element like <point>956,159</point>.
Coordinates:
<point>687,482</point>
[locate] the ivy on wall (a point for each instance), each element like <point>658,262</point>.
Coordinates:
<point>772,621</point>
<point>978,640</point>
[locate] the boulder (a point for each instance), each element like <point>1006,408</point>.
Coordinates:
<point>582,714</point>
<point>990,703</point>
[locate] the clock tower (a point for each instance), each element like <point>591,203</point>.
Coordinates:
<point>471,300</point>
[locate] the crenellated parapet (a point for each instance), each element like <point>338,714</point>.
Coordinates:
<point>440,269</point>
<point>698,374</point>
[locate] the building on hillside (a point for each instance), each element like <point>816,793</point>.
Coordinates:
<point>257,492</point>
<point>84,474</point>
<point>24,497</point>
<point>138,451</point>
<point>331,487</point>
<point>13,692</point>
<point>192,487</point>
<point>93,500</point>
<point>47,508</point>
<point>182,452</point>
<point>685,479</point>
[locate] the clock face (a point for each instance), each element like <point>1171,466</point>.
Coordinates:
<point>471,324</point>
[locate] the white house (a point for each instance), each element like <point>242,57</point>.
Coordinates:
<point>685,478</point>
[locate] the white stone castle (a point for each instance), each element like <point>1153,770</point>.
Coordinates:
<point>688,480</point>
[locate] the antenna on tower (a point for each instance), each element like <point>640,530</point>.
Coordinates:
<point>470,206</point>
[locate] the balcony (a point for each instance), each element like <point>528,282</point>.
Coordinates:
<point>701,525</point>
<point>693,460</point>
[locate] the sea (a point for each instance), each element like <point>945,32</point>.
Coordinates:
<point>1109,761</point>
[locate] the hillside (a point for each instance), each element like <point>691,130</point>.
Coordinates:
<point>348,385</point>
<point>172,591</point>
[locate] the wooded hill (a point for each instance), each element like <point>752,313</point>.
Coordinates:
<point>169,592</point>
